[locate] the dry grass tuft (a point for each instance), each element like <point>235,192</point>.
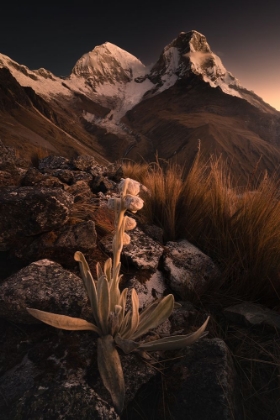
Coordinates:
<point>240,231</point>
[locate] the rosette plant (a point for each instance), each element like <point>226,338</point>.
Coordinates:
<point>116,326</point>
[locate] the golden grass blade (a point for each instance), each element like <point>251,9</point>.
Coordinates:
<point>62,321</point>
<point>110,369</point>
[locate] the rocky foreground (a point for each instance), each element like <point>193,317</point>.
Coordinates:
<point>49,212</point>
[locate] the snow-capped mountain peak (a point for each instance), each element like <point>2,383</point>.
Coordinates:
<point>113,77</point>
<point>109,63</point>
<point>190,52</point>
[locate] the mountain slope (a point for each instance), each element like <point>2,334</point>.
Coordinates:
<point>191,113</point>
<point>112,106</point>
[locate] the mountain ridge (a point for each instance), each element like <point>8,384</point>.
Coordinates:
<point>113,106</point>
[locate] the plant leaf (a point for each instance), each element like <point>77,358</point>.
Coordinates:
<point>103,304</point>
<point>125,322</point>
<point>176,341</point>
<point>133,320</point>
<point>110,368</point>
<point>108,269</point>
<point>89,284</point>
<point>114,287</point>
<point>99,271</point>
<point>84,267</point>
<point>127,346</point>
<point>122,303</point>
<point>114,320</point>
<point>152,319</point>
<point>62,321</point>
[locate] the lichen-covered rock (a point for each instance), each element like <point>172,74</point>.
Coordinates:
<point>58,379</point>
<point>142,252</point>
<point>52,381</point>
<point>62,401</point>
<point>103,184</point>
<point>64,175</point>
<point>27,211</point>
<point>15,382</point>
<point>184,317</point>
<point>59,245</point>
<point>82,176</point>
<point>7,179</point>
<point>84,162</point>
<point>189,270</point>
<point>34,177</point>
<point>54,162</point>
<point>153,288</point>
<point>204,383</point>
<point>253,314</point>
<point>43,285</point>
<point>80,190</point>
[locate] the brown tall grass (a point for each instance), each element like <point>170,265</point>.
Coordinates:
<point>240,230</point>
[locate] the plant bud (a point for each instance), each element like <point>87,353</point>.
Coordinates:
<point>132,202</point>
<point>126,239</point>
<point>132,187</point>
<point>129,223</point>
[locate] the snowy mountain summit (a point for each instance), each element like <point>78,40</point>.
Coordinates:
<point>119,81</point>
<point>111,76</point>
<point>108,63</point>
<point>114,106</point>
<point>115,79</point>
<point>190,52</point>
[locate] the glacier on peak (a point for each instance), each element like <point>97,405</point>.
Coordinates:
<point>118,80</point>
<point>190,52</point>
<point>107,62</point>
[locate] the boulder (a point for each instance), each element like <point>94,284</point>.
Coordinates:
<point>34,177</point>
<point>103,184</point>
<point>84,163</point>
<point>28,211</point>
<point>143,252</point>
<point>204,383</point>
<point>42,285</point>
<point>59,245</point>
<point>54,162</point>
<point>254,315</point>
<point>7,179</point>
<point>189,270</point>
<point>153,288</point>
<point>58,378</point>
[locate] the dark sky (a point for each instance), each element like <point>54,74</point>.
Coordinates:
<point>245,34</point>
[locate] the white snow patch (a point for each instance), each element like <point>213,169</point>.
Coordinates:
<point>215,74</point>
<point>105,58</point>
<point>42,81</point>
